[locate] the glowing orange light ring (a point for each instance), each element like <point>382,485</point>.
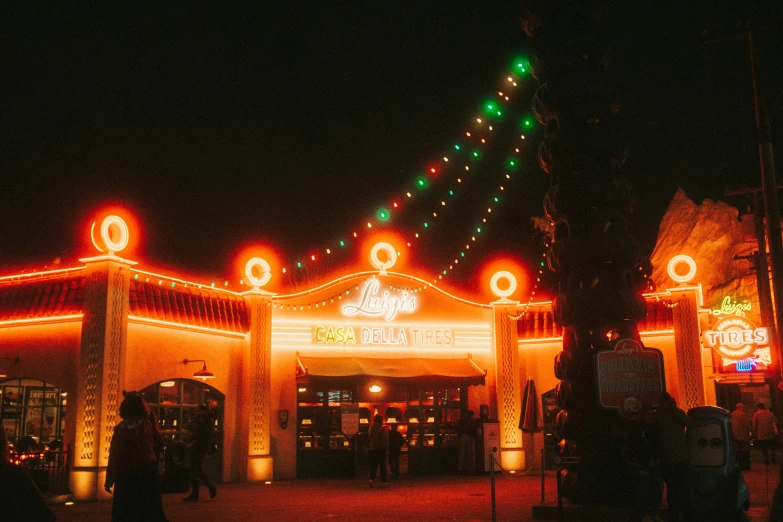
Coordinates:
<point>263,266</point>
<point>390,251</point>
<point>512,284</point>
<point>108,224</point>
<point>676,260</point>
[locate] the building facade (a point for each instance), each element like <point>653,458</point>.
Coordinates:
<point>293,380</point>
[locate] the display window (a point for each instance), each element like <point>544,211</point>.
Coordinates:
<point>32,414</point>
<point>425,416</point>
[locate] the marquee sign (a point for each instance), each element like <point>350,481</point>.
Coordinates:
<point>372,304</point>
<point>627,372</point>
<point>735,338</point>
<point>418,336</point>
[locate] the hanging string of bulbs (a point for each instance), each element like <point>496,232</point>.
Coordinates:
<point>470,150</point>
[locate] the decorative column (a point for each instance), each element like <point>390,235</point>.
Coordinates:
<point>255,421</point>
<point>507,374</point>
<point>687,340</point>
<point>101,371</point>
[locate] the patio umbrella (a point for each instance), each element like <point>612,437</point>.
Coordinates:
<point>530,420</point>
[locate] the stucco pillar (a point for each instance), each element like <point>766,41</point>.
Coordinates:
<point>256,415</point>
<point>509,395</point>
<point>101,369</point>
<point>691,372</point>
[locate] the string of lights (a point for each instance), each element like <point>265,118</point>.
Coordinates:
<point>470,150</point>
<point>493,205</point>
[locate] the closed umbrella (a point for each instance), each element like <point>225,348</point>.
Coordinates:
<point>530,421</point>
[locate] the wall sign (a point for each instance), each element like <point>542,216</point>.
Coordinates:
<point>731,306</point>
<point>372,304</point>
<point>417,336</point>
<point>629,371</point>
<point>735,338</point>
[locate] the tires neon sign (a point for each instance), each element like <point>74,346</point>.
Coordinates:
<point>736,338</point>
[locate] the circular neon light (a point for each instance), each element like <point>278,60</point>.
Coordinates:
<point>112,226</point>
<point>263,267</point>
<point>672,268</point>
<point>508,276</point>
<point>391,254</point>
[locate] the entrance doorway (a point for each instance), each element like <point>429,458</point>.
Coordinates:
<point>426,416</point>
<point>175,402</point>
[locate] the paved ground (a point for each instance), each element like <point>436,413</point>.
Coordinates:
<point>438,498</point>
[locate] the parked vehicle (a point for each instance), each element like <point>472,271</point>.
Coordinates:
<point>717,489</point>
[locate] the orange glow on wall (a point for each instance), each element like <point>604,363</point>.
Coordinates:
<point>183,326</point>
<point>42,320</point>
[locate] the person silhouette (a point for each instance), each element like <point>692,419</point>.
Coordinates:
<point>132,471</point>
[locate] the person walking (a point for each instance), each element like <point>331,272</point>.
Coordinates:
<point>766,432</point>
<point>396,442</point>
<point>671,422</point>
<point>132,471</point>
<point>466,430</point>
<point>378,444</point>
<point>202,433</point>
<point>741,428</point>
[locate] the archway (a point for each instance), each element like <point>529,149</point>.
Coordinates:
<point>173,402</point>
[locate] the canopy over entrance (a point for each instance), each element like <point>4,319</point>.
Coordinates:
<point>361,370</point>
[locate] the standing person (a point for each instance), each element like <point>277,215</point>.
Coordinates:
<point>202,433</point>
<point>133,464</point>
<point>671,422</point>
<point>741,429</point>
<point>396,442</point>
<point>766,431</point>
<point>379,443</point>
<point>466,430</point>
<point>19,496</point>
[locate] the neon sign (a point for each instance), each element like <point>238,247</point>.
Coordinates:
<point>732,307</point>
<point>371,305</point>
<point>736,338</point>
<point>383,336</point>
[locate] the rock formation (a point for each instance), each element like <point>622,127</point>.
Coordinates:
<point>713,234</point>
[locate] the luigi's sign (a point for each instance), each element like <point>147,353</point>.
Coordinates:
<point>629,370</point>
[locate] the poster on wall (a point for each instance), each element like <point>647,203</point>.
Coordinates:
<point>12,402</point>
<point>629,372</point>
<point>40,411</point>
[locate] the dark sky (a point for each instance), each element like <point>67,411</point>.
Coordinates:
<point>220,126</point>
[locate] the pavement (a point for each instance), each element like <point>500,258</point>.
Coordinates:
<point>426,498</point>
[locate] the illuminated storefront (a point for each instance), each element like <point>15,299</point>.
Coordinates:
<point>291,377</point>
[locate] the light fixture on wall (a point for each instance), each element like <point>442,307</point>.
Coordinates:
<point>375,388</point>
<point>203,373</point>
<point>3,373</point>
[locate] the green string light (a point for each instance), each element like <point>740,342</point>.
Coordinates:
<point>342,243</point>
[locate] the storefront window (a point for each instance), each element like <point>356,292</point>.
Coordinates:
<point>174,401</point>
<point>426,417</point>
<point>32,414</point>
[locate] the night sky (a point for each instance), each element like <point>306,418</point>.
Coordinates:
<point>220,126</point>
